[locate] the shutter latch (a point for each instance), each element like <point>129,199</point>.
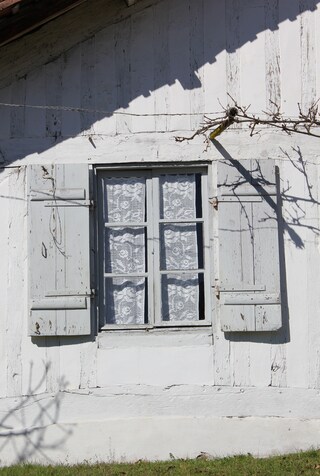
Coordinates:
<point>214,202</point>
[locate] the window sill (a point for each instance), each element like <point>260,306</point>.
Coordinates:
<point>156,337</point>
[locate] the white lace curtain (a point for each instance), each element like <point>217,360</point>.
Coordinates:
<point>179,248</point>
<point>125,249</point>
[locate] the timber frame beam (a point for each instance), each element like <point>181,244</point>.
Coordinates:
<point>18,17</point>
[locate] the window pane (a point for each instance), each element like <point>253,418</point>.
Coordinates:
<point>125,199</point>
<point>182,297</point>
<point>125,301</point>
<point>125,250</point>
<point>180,196</point>
<point>181,246</point>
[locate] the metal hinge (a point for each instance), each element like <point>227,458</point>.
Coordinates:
<point>214,202</point>
<point>93,293</point>
<point>217,291</point>
<point>92,205</point>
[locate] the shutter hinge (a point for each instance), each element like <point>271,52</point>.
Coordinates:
<point>93,293</point>
<point>214,202</point>
<point>92,205</point>
<point>217,291</point>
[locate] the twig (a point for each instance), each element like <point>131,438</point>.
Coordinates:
<point>307,123</point>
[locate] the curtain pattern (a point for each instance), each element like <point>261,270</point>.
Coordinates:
<point>179,248</point>
<point>125,249</point>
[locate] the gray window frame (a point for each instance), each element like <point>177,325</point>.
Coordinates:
<point>152,174</point>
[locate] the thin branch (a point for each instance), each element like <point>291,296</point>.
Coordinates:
<point>307,123</point>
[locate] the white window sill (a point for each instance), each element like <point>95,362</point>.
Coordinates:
<point>156,337</point>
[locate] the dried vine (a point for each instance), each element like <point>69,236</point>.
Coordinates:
<point>306,123</point>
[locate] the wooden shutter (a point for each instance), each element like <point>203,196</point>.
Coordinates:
<point>58,247</point>
<point>249,246</point>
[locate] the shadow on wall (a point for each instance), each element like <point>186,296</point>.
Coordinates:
<point>24,426</point>
<point>142,51</point>
<point>295,221</point>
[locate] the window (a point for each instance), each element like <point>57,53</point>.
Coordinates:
<point>152,265</point>
<point>153,248</point>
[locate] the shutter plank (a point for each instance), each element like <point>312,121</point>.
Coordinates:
<point>236,249</point>
<point>59,267</point>
<point>249,248</point>
<point>266,244</point>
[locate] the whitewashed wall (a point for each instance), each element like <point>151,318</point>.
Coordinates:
<point>163,58</point>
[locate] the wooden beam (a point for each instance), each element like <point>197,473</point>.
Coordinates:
<point>30,15</point>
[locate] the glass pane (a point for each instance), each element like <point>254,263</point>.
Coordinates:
<point>125,250</point>
<point>125,301</point>
<point>182,297</point>
<point>180,196</point>
<point>125,199</point>
<point>181,246</point>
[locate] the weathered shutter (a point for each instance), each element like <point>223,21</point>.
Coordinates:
<point>59,252</point>
<point>249,246</point>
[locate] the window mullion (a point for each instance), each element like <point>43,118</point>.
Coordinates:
<point>150,249</point>
<point>156,250</point>
<point>206,246</point>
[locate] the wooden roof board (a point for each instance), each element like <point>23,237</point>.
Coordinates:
<point>18,17</point>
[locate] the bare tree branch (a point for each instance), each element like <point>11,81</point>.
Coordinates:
<point>307,123</point>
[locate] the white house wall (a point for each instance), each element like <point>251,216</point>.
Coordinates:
<point>166,64</point>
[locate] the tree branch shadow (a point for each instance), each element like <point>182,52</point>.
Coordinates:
<point>25,429</point>
<point>256,178</point>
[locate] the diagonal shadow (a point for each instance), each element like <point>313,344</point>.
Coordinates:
<point>258,181</point>
<point>202,30</point>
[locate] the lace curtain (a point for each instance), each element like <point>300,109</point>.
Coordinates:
<point>179,248</point>
<point>125,249</point>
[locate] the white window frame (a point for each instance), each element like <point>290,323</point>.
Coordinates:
<point>153,274</point>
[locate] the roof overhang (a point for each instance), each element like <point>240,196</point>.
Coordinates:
<point>18,17</point>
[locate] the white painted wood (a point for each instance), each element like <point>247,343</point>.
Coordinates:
<point>252,54</point>
<point>232,46</point>
<point>179,64</point>
<point>215,54</point>
<point>154,366</point>
<point>308,54</point>
<point>296,350</point>
<point>70,364</point>
<point>105,81</point>
<point>248,237</point>
<point>290,63</point>
<point>123,79</point>
<point>53,95</point>
<point>35,119</point>
<point>313,258</point>
<point>161,64</point>
<point>142,70</point>
<point>87,87</point>
<point>272,55</point>
<point>88,364</point>
<point>59,251</point>
<point>4,267</point>
<point>196,48</point>
<point>16,278</point>
<point>71,91</point>
<point>5,97</point>
<point>18,96</point>
<point>168,58</point>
